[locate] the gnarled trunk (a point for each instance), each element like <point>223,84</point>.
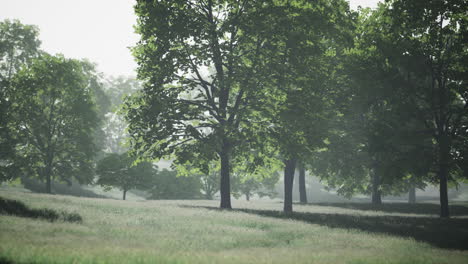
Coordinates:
<point>289,168</point>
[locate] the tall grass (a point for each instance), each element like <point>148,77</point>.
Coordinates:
<point>115,231</point>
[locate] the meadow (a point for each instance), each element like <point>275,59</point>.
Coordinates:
<point>93,230</point>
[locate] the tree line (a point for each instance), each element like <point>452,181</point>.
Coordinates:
<point>370,101</point>
<point>61,123</point>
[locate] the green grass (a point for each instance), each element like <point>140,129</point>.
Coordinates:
<point>114,231</point>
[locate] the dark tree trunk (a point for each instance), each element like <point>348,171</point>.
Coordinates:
<point>289,168</point>
<point>225,188</point>
<point>412,194</point>
<point>302,185</point>
<point>444,154</point>
<point>48,175</point>
<point>124,194</point>
<point>247,196</point>
<point>376,195</point>
<point>48,183</point>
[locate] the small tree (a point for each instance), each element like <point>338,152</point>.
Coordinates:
<point>251,185</point>
<point>117,170</point>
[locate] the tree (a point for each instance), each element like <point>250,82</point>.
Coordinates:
<point>249,185</point>
<point>305,43</point>
<point>302,184</point>
<point>199,62</point>
<point>114,125</point>
<point>430,47</point>
<point>209,180</point>
<point>117,170</point>
<point>167,185</point>
<point>53,112</point>
<point>118,88</point>
<point>374,138</point>
<point>19,44</point>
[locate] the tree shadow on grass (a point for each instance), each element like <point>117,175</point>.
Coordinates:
<point>443,233</point>
<point>17,208</point>
<point>404,208</point>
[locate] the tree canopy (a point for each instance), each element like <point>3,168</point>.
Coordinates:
<point>53,117</point>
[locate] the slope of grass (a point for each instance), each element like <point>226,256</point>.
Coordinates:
<point>115,231</point>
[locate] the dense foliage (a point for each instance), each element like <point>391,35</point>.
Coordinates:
<point>232,91</point>
<point>118,170</point>
<point>53,117</point>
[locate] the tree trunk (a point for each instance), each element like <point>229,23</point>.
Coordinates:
<point>48,183</point>
<point>302,185</point>
<point>124,194</point>
<point>376,195</point>
<point>48,172</point>
<point>412,194</point>
<point>289,168</point>
<point>247,196</point>
<point>225,188</point>
<point>444,154</point>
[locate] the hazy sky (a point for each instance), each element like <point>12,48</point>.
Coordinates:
<point>100,30</point>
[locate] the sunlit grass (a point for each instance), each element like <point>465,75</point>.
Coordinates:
<point>116,231</point>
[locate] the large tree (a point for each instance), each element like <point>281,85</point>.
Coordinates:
<point>19,44</point>
<point>199,61</point>
<point>429,44</point>
<point>306,41</point>
<point>53,113</point>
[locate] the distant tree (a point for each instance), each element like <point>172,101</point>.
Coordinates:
<point>209,180</point>
<point>117,170</point>
<point>53,113</point>
<point>19,44</point>
<point>103,105</point>
<point>167,185</point>
<point>118,88</point>
<point>110,100</point>
<point>249,185</point>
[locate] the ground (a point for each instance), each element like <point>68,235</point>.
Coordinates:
<point>114,231</point>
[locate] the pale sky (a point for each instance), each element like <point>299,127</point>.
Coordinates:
<point>99,30</point>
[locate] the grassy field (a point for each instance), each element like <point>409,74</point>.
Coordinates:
<point>113,231</point>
